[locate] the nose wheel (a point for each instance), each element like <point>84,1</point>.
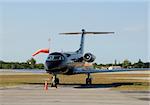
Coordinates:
<point>88,79</point>
<point>55,81</point>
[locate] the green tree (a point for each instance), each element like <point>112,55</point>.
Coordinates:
<point>94,65</point>
<point>31,62</point>
<point>147,65</point>
<point>39,66</point>
<point>139,64</point>
<point>126,64</point>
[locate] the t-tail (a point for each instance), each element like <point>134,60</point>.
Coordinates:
<point>81,49</point>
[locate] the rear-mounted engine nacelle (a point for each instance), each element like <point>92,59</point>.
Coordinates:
<point>88,57</point>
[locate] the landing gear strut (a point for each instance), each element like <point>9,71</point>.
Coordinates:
<point>88,79</point>
<point>55,81</point>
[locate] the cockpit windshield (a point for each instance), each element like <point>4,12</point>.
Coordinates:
<point>55,58</point>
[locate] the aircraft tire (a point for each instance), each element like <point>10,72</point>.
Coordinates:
<point>56,81</point>
<point>88,81</point>
<point>54,85</point>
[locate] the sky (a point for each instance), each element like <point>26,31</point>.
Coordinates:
<point>26,27</point>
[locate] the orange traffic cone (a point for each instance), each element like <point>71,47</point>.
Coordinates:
<point>46,85</point>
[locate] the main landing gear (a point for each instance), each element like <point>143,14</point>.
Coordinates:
<point>88,79</point>
<point>55,81</point>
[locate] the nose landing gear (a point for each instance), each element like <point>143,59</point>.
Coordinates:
<point>55,81</point>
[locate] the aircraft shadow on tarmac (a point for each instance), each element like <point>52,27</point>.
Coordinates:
<point>83,86</point>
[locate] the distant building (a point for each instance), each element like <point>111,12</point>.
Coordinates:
<point>104,67</point>
<point>114,67</point>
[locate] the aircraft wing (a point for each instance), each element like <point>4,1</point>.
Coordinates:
<point>28,71</point>
<point>90,70</point>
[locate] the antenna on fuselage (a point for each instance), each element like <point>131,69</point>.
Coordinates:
<point>49,40</point>
<point>81,49</point>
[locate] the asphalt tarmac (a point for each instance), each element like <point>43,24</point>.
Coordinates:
<point>70,95</point>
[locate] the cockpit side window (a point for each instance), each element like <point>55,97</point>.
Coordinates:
<point>50,58</point>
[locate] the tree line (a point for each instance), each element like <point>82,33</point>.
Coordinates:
<point>31,64</point>
<point>125,64</point>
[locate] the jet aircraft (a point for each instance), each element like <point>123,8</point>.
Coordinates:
<point>71,63</point>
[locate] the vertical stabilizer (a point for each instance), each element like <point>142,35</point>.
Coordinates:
<point>81,49</point>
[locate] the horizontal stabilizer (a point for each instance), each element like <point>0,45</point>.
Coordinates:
<point>68,33</point>
<point>76,33</point>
